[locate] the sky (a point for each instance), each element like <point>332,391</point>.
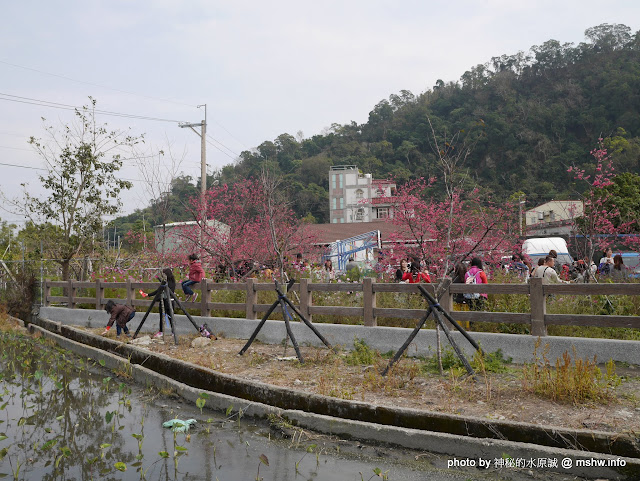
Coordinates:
<point>261,68</point>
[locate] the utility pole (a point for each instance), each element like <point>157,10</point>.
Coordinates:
<point>144,233</point>
<point>520,204</point>
<point>203,165</point>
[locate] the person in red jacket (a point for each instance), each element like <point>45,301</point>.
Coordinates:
<point>403,275</point>
<point>196,274</point>
<point>475,275</point>
<point>423,275</point>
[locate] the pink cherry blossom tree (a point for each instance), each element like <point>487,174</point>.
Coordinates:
<point>598,225</point>
<point>246,227</point>
<point>456,228</point>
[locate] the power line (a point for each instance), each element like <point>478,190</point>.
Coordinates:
<point>218,148</point>
<point>95,85</point>
<point>22,166</point>
<point>57,105</point>
<point>15,148</point>
<point>118,90</point>
<point>233,136</point>
<point>47,170</point>
<point>126,158</point>
<point>220,143</point>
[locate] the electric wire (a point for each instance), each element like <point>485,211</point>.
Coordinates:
<point>47,170</point>
<point>218,148</point>
<point>95,85</point>
<point>124,158</point>
<point>119,90</point>
<point>46,103</point>
<point>15,148</point>
<point>21,166</point>
<point>230,134</point>
<point>57,105</point>
<point>220,143</point>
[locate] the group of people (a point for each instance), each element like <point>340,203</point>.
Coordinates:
<point>412,271</point>
<point>121,314</point>
<point>612,266</point>
<point>579,271</point>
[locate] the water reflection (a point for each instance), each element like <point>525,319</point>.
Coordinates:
<point>65,418</point>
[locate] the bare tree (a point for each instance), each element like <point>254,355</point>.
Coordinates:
<point>158,170</point>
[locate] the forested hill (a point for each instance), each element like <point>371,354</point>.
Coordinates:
<point>527,116</point>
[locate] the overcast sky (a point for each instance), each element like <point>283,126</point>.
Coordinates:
<point>262,68</point>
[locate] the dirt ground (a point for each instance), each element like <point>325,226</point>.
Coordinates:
<point>494,396</point>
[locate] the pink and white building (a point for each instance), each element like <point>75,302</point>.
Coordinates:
<point>357,197</point>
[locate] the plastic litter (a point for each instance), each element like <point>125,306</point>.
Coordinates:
<point>205,331</point>
<point>178,425</point>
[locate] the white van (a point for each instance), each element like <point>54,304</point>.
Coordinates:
<point>539,247</point>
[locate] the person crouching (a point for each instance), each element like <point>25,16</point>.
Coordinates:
<point>121,314</point>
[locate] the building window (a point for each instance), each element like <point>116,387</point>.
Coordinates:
<point>335,203</point>
<point>360,213</point>
<point>340,180</point>
<point>383,212</point>
<point>342,202</point>
<point>333,181</point>
<point>341,220</point>
<point>335,221</point>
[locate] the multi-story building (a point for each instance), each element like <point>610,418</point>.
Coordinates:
<point>553,218</point>
<point>357,197</point>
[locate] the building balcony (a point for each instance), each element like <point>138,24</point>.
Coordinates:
<point>384,200</point>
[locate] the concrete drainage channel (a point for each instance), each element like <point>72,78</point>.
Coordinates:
<point>600,454</point>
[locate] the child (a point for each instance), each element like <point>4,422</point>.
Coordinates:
<point>121,314</point>
<point>196,274</point>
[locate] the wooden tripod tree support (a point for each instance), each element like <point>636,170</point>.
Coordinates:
<point>283,301</point>
<point>437,310</point>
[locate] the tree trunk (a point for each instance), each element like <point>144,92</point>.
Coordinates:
<point>66,268</point>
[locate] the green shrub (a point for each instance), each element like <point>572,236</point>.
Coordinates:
<point>361,354</point>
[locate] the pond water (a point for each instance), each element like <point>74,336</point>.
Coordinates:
<point>67,418</point>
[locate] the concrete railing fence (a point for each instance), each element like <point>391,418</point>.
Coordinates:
<point>537,317</point>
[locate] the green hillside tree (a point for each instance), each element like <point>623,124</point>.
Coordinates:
<point>82,159</point>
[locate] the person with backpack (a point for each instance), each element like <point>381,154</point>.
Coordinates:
<point>606,262</point>
<point>476,275</point>
<point>547,272</point>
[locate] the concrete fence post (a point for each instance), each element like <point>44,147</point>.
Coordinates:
<point>252,299</point>
<point>369,302</point>
<point>305,297</point>
<point>538,307</point>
